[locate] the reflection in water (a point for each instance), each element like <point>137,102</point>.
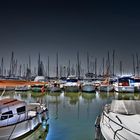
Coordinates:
<point>128,96</point>
<point>74,97</point>
<point>72,113</point>
<point>105,95</point>
<point>56,102</point>
<point>88,96</point>
<point>37,94</point>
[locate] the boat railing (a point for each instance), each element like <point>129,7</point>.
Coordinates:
<point>119,124</point>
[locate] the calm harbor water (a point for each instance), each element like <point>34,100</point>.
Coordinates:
<point>71,115</point>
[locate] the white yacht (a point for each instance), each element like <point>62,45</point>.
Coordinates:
<point>120,121</point>
<point>88,86</point>
<point>106,85</point>
<point>124,84</point>
<point>17,118</point>
<point>137,84</point>
<point>54,87</point>
<point>71,84</point>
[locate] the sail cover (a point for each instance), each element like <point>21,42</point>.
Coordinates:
<point>126,107</point>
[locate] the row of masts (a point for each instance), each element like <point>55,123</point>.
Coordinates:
<point>107,67</point>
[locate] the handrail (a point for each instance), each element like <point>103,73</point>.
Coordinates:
<point>115,133</point>
<point>120,125</point>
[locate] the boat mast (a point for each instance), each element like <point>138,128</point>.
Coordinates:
<point>12,63</point>
<point>133,64</point>
<point>2,66</point>
<point>103,66</point>
<point>73,70</point>
<point>64,71</point>
<point>108,64</point>
<point>87,62</point>
<point>137,58</point>
<point>48,67</point>
<point>24,69</point>
<point>121,68</point>
<point>29,62</point>
<point>20,67</point>
<point>95,67</point>
<point>39,64</point>
<point>35,71</point>
<point>113,61</point>
<point>57,65</point>
<point>11,72</point>
<point>78,65</point>
<point>68,69</point>
<point>15,67</point>
<point>60,70</point>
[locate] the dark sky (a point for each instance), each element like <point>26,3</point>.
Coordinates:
<point>29,27</point>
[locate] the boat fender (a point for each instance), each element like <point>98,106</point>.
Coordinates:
<point>31,124</point>
<point>45,115</point>
<point>42,89</point>
<point>44,124</point>
<point>39,117</point>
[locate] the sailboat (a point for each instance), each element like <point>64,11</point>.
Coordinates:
<point>124,84</point>
<point>72,84</point>
<point>88,85</point>
<point>54,87</point>
<point>106,85</point>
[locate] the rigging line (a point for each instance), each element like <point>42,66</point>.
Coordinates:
<point>3,91</point>
<point>118,134</point>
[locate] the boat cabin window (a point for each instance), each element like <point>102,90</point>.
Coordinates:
<point>137,80</point>
<point>72,80</point>
<point>125,82</point>
<point>6,115</point>
<point>21,110</point>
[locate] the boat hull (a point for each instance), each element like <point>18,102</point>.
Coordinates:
<point>125,89</point>
<point>88,88</point>
<point>106,88</point>
<point>37,89</point>
<point>71,88</point>
<point>55,89</point>
<point>108,128</point>
<point>19,129</point>
<point>120,120</point>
